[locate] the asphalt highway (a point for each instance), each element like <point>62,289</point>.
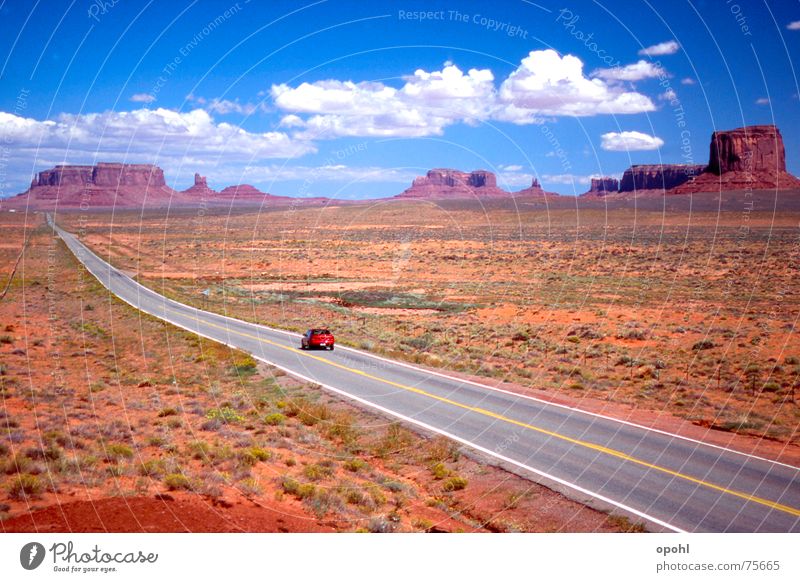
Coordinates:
<point>674,483</point>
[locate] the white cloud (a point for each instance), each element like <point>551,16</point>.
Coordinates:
<point>688,81</point>
<point>145,134</point>
<point>142,98</point>
<point>514,180</point>
<point>762,101</point>
<point>629,141</point>
<point>669,47</point>
<point>546,84</point>
<point>324,173</point>
<point>225,106</point>
<point>568,179</point>
<point>511,168</point>
<point>424,105</point>
<point>668,95</point>
<point>794,25</point>
<point>634,72</point>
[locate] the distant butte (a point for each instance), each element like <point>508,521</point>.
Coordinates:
<point>603,186</point>
<point>131,186</point>
<point>446,183</point>
<point>747,158</point>
<point>105,184</point>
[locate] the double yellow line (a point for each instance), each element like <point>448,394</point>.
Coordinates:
<point>614,453</point>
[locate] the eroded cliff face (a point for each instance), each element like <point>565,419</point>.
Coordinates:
<point>534,190</point>
<point>657,176</point>
<point>756,148</point>
<point>199,188</point>
<point>747,158</point>
<point>603,186</point>
<point>448,183</point>
<point>105,184</point>
<point>103,175</point>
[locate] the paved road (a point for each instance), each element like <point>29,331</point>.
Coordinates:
<point>675,483</point>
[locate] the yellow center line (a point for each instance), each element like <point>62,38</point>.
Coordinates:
<point>483,411</point>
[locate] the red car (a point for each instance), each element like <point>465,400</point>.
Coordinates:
<point>317,338</point>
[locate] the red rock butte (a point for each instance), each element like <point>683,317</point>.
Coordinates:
<point>105,184</point>
<point>746,158</point>
<point>131,186</point>
<point>446,183</point>
<point>658,176</point>
<point>603,186</point>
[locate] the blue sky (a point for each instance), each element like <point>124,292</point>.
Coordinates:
<point>353,99</point>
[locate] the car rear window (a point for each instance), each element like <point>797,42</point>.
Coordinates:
<point>321,332</point>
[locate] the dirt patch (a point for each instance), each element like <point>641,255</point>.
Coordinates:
<point>167,513</point>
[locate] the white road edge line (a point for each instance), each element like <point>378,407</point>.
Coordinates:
<point>477,447</point>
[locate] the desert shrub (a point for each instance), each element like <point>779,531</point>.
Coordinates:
<point>297,489</point>
<point>6,339</point>
<point>17,464</point>
<point>224,414</point>
<point>355,465</point>
<point>792,361</point>
<point>355,496</point>
<point>323,501</point>
<point>116,469</point>
<point>24,486</point>
<point>156,441</point>
<point>380,524</point>
<point>274,419</point>
<point>342,428</point>
<point>245,365</point>
<point>439,471</point>
<point>317,472</point>
<point>250,487</point>
<point>520,336</point>
<point>50,453</point>
<point>309,413</point>
<point>199,450</point>
<point>454,483</point>
<point>396,439</point>
<point>118,451</point>
<point>441,449</point>
<point>253,456</point>
<point>260,454</point>
<point>771,387</point>
<point>177,481</point>
<point>152,468</point>
<point>632,331</point>
<point>703,345</point>
<point>3,450</point>
<point>742,423</point>
<point>167,412</point>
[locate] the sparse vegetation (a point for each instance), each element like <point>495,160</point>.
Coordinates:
<point>177,482</point>
<point>24,486</point>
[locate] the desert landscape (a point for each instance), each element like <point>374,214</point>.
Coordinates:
<point>346,267</point>
<point>115,421</point>
<point>667,309</point>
